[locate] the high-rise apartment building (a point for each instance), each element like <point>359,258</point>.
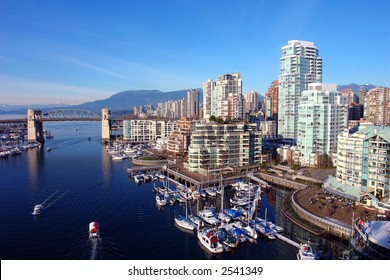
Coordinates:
<point>271,101</point>
<point>300,65</point>
<point>216,146</point>
<point>192,104</point>
<point>322,116</point>
<point>377,106</point>
<point>355,112</point>
<point>208,87</point>
<point>146,131</point>
<point>363,165</point>
<point>350,95</point>
<point>223,98</point>
<point>179,141</point>
<point>251,102</point>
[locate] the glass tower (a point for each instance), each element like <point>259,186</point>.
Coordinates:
<point>300,65</point>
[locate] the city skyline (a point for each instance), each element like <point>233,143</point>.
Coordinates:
<point>75,52</point>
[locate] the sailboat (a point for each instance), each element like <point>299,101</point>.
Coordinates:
<point>221,215</point>
<point>261,226</point>
<point>184,222</point>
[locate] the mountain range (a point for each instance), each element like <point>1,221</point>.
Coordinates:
<point>355,87</point>
<point>126,100</point>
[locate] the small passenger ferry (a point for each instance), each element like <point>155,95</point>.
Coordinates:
<point>37,209</point>
<point>94,231</point>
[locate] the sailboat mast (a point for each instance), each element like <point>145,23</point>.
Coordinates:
<point>222,192</point>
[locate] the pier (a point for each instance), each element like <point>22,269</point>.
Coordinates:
<point>198,181</point>
<point>287,240</point>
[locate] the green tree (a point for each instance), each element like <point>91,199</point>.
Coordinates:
<point>212,118</point>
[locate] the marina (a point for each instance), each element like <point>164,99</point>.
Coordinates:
<point>78,182</point>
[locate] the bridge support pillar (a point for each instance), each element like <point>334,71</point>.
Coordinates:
<point>106,125</point>
<point>35,126</point>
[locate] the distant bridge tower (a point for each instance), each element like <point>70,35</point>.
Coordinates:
<point>35,126</point>
<point>106,125</point>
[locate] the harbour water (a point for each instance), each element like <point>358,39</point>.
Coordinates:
<point>78,182</point>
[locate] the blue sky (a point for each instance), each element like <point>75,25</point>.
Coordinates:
<point>77,51</point>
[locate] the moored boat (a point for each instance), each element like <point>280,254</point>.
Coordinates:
<point>208,216</point>
<point>138,178</point>
<point>209,239</point>
<point>305,252</point>
<point>371,239</point>
<point>184,222</point>
<point>161,200</point>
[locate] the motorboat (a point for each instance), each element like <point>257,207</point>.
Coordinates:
<point>94,231</point>
<point>119,157</point>
<point>202,193</point>
<point>138,179</point>
<point>226,239</point>
<point>179,198</point>
<point>208,216</point>
<point>236,233</point>
<point>195,194</point>
<point>211,191</point>
<point>305,252</point>
<point>224,217</point>
<point>147,177</point>
<point>37,209</point>
<point>49,149</point>
<point>209,239</point>
<point>235,214</point>
<point>161,200</point>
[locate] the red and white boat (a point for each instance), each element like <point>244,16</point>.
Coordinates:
<point>94,231</point>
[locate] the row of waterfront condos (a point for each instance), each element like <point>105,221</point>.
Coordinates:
<point>303,121</point>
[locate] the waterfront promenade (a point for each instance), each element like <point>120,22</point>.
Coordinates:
<point>308,205</point>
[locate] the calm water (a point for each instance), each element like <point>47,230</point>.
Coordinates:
<point>79,183</point>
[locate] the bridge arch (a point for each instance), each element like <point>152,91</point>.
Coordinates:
<point>71,115</point>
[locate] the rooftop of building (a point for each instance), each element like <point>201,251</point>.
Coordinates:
<point>349,192</point>
<point>371,131</point>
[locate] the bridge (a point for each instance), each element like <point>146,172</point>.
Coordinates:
<point>71,115</point>
<point>34,122</point>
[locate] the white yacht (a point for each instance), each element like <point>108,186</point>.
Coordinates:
<point>161,200</point>
<point>208,216</point>
<point>119,157</point>
<point>209,239</point>
<point>138,178</point>
<point>305,252</point>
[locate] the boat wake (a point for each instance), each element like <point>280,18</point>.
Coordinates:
<point>54,201</point>
<point>94,248</point>
<point>48,199</point>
